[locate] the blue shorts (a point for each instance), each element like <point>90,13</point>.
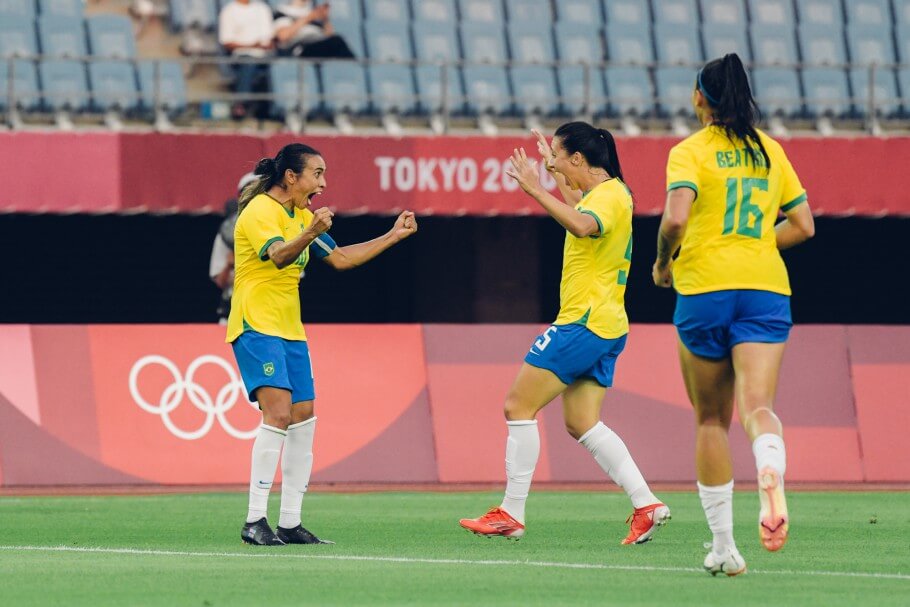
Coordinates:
<point>266,360</point>
<point>710,324</point>
<point>574,351</point>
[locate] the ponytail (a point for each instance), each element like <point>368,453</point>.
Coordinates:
<point>270,171</point>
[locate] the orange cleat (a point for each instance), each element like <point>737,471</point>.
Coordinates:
<point>773,521</point>
<point>495,522</point>
<point>644,523</point>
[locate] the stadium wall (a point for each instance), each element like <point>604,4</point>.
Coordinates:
<point>161,404</point>
<point>131,172</point>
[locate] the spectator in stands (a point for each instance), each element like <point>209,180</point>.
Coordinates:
<point>303,29</point>
<point>221,264</point>
<point>246,29</point>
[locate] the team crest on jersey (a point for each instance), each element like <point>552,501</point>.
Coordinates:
<point>268,369</point>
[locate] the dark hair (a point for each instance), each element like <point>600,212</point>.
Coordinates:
<point>596,145</point>
<point>725,86</point>
<point>271,170</point>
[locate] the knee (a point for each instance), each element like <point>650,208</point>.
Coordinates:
<point>577,428</point>
<point>278,420</point>
<point>516,410</point>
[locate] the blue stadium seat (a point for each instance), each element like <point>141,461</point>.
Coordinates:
<point>773,44</point>
<point>388,40</point>
<point>531,42</point>
<point>723,12</point>
<point>16,9</point>
<point>579,43</point>
<point>674,90</point>
<point>579,11</point>
<point>887,100</point>
<point>632,12</point>
<point>487,88</point>
<point>437,11</point>
<point>535,90</point>
<point>435,42</point>
<point>429,88</point>
<point>387,10</point>
<point>575,97</point>
<point>821,12</point>
<point>62,8</point>
<point>629,90</point>
<point>483,43</point>
<point>17,37</point>
<point>352,32</point>
<point>482,11</point>
<point>525,11</point>
<point>393,88</point>
<point>345,87</point>
<point>903,78</point>
<point>677,12</point>
<point>62,36</point>
<point>902,12</point>
<point>869,12</point>
<point>772,12</point>
<point>111,36</point>
<point>869,44</point>
<point>64,85</point>
<point>677,43</point>
<point>347,10</point>
<point>628,43</point>
<point>290,96</point>
<point>826,91</point>
<point>777,91</point>
<point>25,85</point>
<point>171,85</point>
<point>202,14</point>
<point>902,34</point>
<point>821,45</point>
<point>721,39</point>
<point>113,85</point>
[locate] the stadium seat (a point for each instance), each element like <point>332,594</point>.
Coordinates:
<point>113,85</point>
<point>632,12</point>
<point>429,88</point>
<point>290,97</point>
<point>903,78</point>
<point>629,90</point>
<point>483,43</point>
<point>17,37</point>
<point>772,12</point>
<point>62,8</point>
<point>111,36</point>
<point>677,12</point>
<point>435,42</point>
<point>776,89</point>
<point>869,44</point>
<point>772,44</point>
<point>887,101</point>
<point>826,91</point>
<point>821,12</point>
<point>902,12</point>
<point>202,14</point>
<point>869,12</point>
<point>674,90</point>
<point>577,97</point>
<point>25,85</point>
<point>677,43</point>
<point>348,10</point>
<point>171,85</point>
<point>17,9</point>
<point>352,32</point>
<point>387,10</point>
<point>438,11</point>
<point>535,90</point>
<point>64,85</point>
<point>579,11</point>
<point>531,42</point>
<point>821,45</point>
<point>487,88</point>
<point>345,87</point>
<point>533,11</point>
<point>579,43</point>
<point>723,12</point>
<point>481,11</point>
<point>62,36</point>
<point>388,40</point>
<point>902,34</point>
<point>628,44</point>
<point>720,39</point>
<point>392,88</point>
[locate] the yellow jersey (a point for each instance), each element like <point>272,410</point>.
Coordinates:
<point>266,299</point>
<point>595,269</point>
<point>730,242</point>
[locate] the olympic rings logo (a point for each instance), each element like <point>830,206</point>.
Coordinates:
<point>172,396</point>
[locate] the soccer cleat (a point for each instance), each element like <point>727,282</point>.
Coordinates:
<point>773,521</point>
<point>729,563</point>
<point>299,535</point>
<point>495,522</point>
<point>259,534</point>
<point>644,523</point>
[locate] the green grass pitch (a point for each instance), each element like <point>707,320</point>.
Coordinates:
<point>407,549</point>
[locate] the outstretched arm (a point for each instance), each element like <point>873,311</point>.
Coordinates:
<point>670,234</point>
<point>353,255</point>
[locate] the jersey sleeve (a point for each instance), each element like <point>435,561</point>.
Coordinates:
<point>682,169</point>
<point>603,209</point>
<point>793,193</point>
<point>323,246</point>
<point>261,227</point>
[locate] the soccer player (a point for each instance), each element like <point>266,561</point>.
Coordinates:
<point>726,185</point>
<point>275,237</point>
<point>575,357</point>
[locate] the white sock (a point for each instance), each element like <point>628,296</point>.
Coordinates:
<point>296,466</point>
<point>717,503</point>
<point>613,456</point>
<point>266,449</point>
<point>769,450</point>
<point>522,451</point>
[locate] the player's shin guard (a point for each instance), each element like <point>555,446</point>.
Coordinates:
<point>296,467</point>
<point>522,451</point>
<point>266,449</point>
<point>614,458</point>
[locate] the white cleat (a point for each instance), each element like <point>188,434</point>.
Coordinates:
<point>773,520</point>
<point>729,563</point>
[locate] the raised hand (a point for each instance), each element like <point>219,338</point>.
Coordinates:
<point>543,147</point>
<point>524,171</point>
<point>322,221</point>
<point>405,225</point>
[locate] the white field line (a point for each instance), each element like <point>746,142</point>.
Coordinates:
<point>426,561</point>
